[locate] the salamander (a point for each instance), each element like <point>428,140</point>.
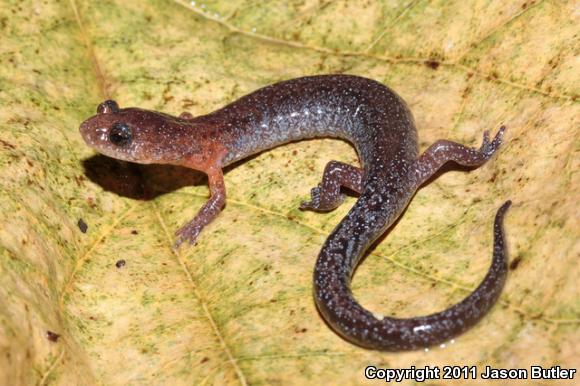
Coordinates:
<point>364,112</point>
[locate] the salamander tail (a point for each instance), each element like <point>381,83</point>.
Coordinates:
<point>348,318</point>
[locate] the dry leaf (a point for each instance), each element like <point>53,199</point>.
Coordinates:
<point>237,308</point>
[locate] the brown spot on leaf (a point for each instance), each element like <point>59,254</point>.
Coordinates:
<point>515,262</point>
<point>52,336</point>
<point>7,144</point>
<point>82,225</point>
<point>432,64</point>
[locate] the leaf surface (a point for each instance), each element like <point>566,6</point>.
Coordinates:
<point>237,308</point>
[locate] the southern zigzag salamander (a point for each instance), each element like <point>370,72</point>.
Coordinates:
<point>379,125</point>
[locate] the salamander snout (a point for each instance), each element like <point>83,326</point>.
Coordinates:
<point>86,130</point>
<point>90,127</point>
<point>134,134</point>
<point>111,131</point>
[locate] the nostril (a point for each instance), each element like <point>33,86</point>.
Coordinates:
<point>85,130</point>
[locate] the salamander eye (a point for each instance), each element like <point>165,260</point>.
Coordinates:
<point>120,134</point>
<point>107,107</point>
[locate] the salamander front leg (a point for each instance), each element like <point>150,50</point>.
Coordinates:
<point>185,115</point>
<point>327,196</point>
<point>190,231</point>
<point>443,151</point>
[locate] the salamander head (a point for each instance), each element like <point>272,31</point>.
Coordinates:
<point>135,135</point>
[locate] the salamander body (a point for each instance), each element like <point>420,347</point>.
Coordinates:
<point>361,111</point>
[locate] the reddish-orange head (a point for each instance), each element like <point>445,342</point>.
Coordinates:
<point>136,135</point>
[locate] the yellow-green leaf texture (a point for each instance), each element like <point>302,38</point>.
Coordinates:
<point>237,308</point>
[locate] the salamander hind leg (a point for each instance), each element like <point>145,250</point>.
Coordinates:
<point>327,195</point>
<point>443,151</point>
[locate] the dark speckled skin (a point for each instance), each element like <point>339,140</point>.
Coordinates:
<point>380,126</point>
